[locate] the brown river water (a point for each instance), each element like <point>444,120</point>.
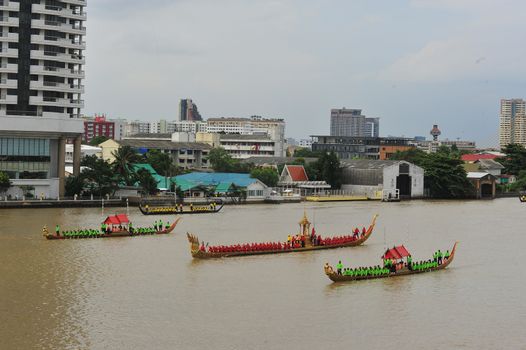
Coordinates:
<point>148,293</point>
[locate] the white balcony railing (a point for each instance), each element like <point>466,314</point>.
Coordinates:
<point>9,21</point>
<point>6,5</point>
<point>59,11</point>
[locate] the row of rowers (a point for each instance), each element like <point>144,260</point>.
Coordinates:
<point>394,264</point>
<point>293,242</point>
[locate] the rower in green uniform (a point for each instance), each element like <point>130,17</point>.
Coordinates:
<point>57,230</point>
<point>339,267</point>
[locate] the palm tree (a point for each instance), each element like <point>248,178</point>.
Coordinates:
<point>124,157</point>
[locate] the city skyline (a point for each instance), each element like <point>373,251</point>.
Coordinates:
<point>445,62</point>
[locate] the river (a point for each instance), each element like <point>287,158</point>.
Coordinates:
<point>148,293</point>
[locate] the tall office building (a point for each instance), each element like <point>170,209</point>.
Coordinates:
<point>351,122</point>
<point>41,58</point>
<point>372,127</point>
<point>188,111</point>
<point>512,122</point>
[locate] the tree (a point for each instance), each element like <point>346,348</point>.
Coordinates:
<point>99,176</point>
<point>221,161</point>
<point>5,183</point>
<point>147,181</point>
<point>515,160</point>
<point>307,153</point>
<point>97,140</point>
<point>268,176</point>
<point>74,185</point>
<point>326,168</point>
<point>124,158</point>
<point>163,164</point>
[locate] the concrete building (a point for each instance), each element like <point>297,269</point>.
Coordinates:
<point>213,139</point>
<point>137,127</point>
<point>351,122</point>
<point>255,125</point>
<point>188,111</point>
<point>41,59</point>
<point>305,143</point>
<point>512,128</point>
<point>368,177</point>
<point>85,150</point>
<point>245,146</point>
<point>187,155</point>
<point>108,147</point>
<point>162,127</point>
<point>348,147</point>
<point>119,128</point>
<point>96,127</point>
<point>191,126</point>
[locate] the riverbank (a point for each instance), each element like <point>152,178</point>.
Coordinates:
<point>62,203</point>
<point>167,201</point>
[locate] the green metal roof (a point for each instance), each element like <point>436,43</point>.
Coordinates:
<point>224,187</point>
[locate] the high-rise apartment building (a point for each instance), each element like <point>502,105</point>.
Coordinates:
<point>41,59</point>
<point>351,122</point>
<point>188,111</point>
<point>512,122</point>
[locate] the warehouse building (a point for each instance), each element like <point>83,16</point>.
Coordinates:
<point>391,177</point>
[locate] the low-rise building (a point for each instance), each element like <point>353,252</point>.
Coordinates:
<point>272,127</point>
<point>483,183</point>
<point>295,177</point>
<point>187,155</point>
<point>349,147</point>
<point>85,150</point>
<point>108,148</point>
<point>222,184</point>
<point>245,146</point>
<point>394,178</point>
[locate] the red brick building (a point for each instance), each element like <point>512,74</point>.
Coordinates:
<point>98,127</point>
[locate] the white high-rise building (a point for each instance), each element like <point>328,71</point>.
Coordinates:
<point>41,59</point>
<point>512,122</point>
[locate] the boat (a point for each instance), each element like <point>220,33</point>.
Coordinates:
<point>403,271</point>
<point>200,251</point>
<point>212,207</point>
<point>274,198</point>
<point>119,226</point>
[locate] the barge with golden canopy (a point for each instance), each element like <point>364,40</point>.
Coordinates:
<point>306,240</point>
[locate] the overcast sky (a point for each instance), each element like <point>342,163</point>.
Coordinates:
<point>411,63</point>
